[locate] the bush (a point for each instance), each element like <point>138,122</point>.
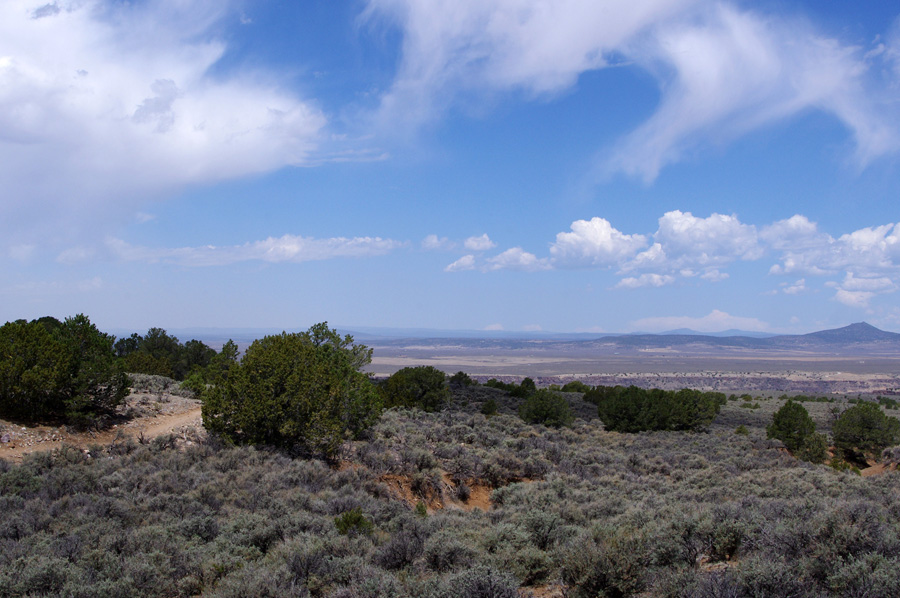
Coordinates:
<point>548,408</point>
<point>51,369</point>
<point>814,448</point>
<point>353,522</point>
<point>301,390</point>
<point>576,386</point>
<point>866,429</point>
<point>634,409</point>
<point>791,425</point>
<point>423,387</point>
<point>461,379</point>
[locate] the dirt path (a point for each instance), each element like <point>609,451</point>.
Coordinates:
<point>22,441</point>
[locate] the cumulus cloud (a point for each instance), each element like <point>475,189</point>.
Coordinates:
<point>594,243</point>
<point>288,248</point>
<point>119,101</point>
<point>715,321</point>
<point>645,280</point>
<point>722,70</point>
<point>867,250</point>
<point>517,259</point>
<point>482,243</point>
<point>687,246</point>
<point>433,242</point>
<point>466,262</point>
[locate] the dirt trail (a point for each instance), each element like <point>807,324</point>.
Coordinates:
<point>23,441</point>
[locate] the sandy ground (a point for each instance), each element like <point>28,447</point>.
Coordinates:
<point>151,415</point>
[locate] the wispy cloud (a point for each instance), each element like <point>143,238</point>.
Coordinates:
<point>288,248</point>
<point>722,70</point>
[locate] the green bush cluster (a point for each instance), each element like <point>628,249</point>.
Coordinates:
<point>546,407</point>
<point>57,369</point>
<point>864,430</point>
<point>159,353</point>
<point>635,409</point>
<point>301,391</point>
<point>793,426</point>
<point>520,391</point>
<point>422,387</point>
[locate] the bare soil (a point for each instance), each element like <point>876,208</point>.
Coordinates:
<point>144,416</point>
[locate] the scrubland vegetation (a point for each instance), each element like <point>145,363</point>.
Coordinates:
<point>464,490</point>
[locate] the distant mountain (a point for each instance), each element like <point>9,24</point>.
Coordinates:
<point>730,332</point>
<point>861,332</point>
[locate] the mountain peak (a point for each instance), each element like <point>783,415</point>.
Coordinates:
<point>859,332</point>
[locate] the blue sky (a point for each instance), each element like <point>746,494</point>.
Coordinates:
<point>478,164</point>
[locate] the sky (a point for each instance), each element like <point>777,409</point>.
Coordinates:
<point>518,165</point>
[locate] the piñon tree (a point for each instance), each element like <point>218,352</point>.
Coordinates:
<point>301,391</point>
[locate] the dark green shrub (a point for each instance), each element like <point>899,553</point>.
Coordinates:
<point>489,407</point>
<point>353,522</point>
<point>461,379</point>
<point>791,424</point>
<point>814,448</point>
<point>548,408</point>
<point>525,389</point>
<point>51,369</point>
<point>576,386</point>
<point>423,387</point>
<point>301,390</point>
<point>635,409</point>
<point>864,428</point>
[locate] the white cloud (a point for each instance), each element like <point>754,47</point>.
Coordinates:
<point>288,248</point>
<point>868,251</point>
<point>74,255</point>
<point>645,280</point>
<point>433,242</point>
<point>451,49</point>
<point>796,288</point>
<point>517,259</point>
<point>717,239</point>
<point>482,243</point>
<point>466,262</point>
<point>722,70</point>
<point>690,246</point>
<point>715,321</point>
<point>119,100</point>
<point>858,299</point>
<point>714,275</point>
<point>494,327</point>
<point>594,243</point>
<point>729,71</point>
<point>687,246</point>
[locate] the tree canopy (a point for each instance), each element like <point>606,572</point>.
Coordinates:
<point>424,387</point>
<point>50,368</point>
<point>635,409</point>
<point>865,428</point>
<point>299,390</point>
<point>546,407</point>
<point>793,426</point>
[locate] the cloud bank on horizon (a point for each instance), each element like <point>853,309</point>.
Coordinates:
<point>113,115</point>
